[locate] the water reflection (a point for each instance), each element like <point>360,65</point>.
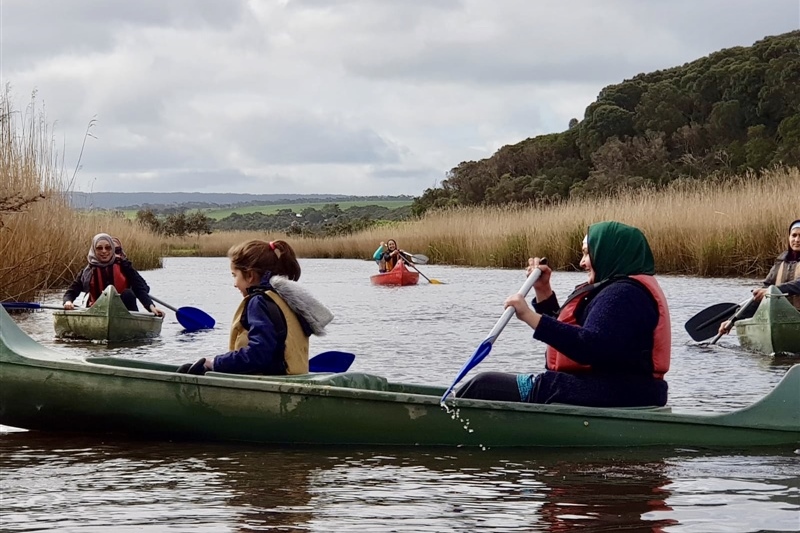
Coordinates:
<point>75,483</point>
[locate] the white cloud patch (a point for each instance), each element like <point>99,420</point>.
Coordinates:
<point>345,96</point>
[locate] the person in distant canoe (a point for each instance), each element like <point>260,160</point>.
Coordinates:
<point>107,268</point>
<point>118,251</point>
<point>271,327</point>
<point>608,345</point>
<point>785,274</point>
<point>387,255</point>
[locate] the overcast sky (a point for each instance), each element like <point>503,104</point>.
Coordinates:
<point>335,96</point>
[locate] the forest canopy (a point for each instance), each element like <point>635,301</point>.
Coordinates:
<point>733,111</point>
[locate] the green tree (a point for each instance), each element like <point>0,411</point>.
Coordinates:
<point>198,223</point>
<point>148,219</point>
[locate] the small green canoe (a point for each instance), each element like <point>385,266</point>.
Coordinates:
<point>43,389</point>
<point>773,329</point>
<point>108,319</point>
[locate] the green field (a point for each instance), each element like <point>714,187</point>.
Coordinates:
<point>271,209</point>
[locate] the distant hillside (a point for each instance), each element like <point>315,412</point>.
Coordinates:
<point>735,110</point>
<point>201,200</point>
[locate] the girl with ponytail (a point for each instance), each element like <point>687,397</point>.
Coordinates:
<point>271,327</point>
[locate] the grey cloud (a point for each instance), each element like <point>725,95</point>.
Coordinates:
<point>305,139</point>
<point>153,154</point>
<point>424,174</point>
<point>406,5</point>
<point>223,179</point>
<point>474,63</point>
<point>41,28</point>
<point>597,49</point>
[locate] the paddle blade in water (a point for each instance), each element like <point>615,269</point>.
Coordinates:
<point>193,319</point>
<point>479,355</point>
<point>706,323</point>
<point>331,362</point>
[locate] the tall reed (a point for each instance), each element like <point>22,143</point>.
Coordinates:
<point>43,242</point>
<point>706,228</point>
<point>734,227</point>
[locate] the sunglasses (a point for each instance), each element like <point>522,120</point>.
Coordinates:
<point>101,248</point>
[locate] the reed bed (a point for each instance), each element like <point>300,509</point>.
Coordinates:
<point>731,227</point>
<point>43,242</point>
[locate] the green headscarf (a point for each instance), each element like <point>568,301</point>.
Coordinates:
<point>616,249</point>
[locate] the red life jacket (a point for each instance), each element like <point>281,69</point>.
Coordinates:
<point>662,336</point>
<point>97,283</point>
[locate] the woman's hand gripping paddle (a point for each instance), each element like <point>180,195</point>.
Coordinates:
<point>486,346</point>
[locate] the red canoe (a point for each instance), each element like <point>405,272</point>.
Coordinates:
<point>399,275</point>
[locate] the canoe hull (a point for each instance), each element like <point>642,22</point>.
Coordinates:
<point>41,389</point>
<point>108,319</point>
<point>773,329</point>
<point>220,409</point>
<point>399,275</point>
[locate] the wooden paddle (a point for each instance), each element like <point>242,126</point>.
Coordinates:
<point>486,346</point>
<point>191,318</point>
<point>430,280</point>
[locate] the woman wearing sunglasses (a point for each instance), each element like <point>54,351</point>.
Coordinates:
<point>107,268</point>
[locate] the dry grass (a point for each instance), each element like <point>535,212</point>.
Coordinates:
<point>734,227</point>
<point>43,242</point>
<point>713,228</point>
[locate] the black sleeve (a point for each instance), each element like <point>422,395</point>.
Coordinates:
<point>137,284</point>
<point>75,289</point>
<point>547,307</point>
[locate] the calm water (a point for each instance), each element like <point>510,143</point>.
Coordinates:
<point>416,334</point>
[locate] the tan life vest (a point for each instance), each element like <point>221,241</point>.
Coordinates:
<point>789,271</point>
<point>296,353</point>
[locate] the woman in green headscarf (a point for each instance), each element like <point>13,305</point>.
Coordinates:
<point>608,345</point>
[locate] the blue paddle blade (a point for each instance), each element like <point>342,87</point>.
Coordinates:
<point>30,305</point>
<point>479,355</point>
<point>21,305</point>
<point>331,362</point>
<point>193,319</point>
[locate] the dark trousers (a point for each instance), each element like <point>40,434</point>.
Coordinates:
<point>499,386</point>
<point>129,299</point>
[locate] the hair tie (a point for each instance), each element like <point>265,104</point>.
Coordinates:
<point>275,249</point>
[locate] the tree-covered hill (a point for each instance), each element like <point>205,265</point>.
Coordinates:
<point>735,110</point>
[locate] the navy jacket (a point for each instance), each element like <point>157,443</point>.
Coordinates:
<point>266,334</point>
<point>136,283</point>
<point>615,337</point>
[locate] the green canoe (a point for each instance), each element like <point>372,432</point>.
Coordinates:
<point>108,319</point>
<point>43,389</point>
<point>773,329</point>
